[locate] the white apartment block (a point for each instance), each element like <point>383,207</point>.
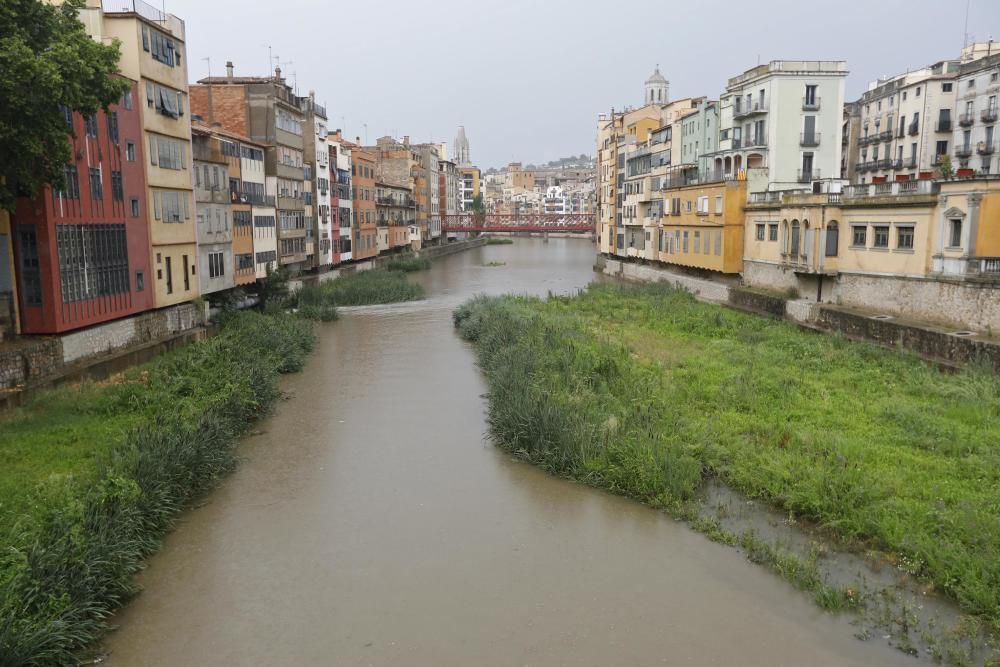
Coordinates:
<point>906,124</point>
<point>976,136</point>
<point>784,117</point>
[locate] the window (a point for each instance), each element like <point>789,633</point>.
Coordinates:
<point>130,151</point>
<point>718,204</point>
<point>772,231</point>
<point>160,46</point>
<point>945,87</point>
<point>267,256</point>
<point>718,243</point>
<point>134,202</point>
<point>113,126</point>
<point>67,115</point>
<point>216,265</point>
<point>832,239</point>
<point>71,184</point>
<point>127,100</point>
<point>30,272</point>
<point>971,84</point>
<point>244,262</point>
<point>140,281</point>
<point>810,98</point>
<point>117,192</point>
<point>170,275</point>
<point>91,125</point>
<point>167,101</point>
<point>918,92</point>
<point>96,191</point>
<point>760,232</point>
<point>170,206</point>
<point>881,236</point>
<point>904,238</point>
<point>289,123</point>
<point>955,233</point>
<point>187,277</point>
<point>167,153</point>
<point>242,219</point>
<point>263,221</point>
<point>794,245</point>
<point>860,237</point>
<point>93,261</point>
<point>941,149</point>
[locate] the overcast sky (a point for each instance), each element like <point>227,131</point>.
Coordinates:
<point>527,78</point>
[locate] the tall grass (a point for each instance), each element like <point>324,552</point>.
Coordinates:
<point>644,391</point>
<point>499,240</point>
<point>408,264</point>
<point>365,288</point>
<point>68,555</point>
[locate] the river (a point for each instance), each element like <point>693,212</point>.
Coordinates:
<point>371,523</point>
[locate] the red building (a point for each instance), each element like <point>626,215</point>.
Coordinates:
<point>334,207</point>
<point>82,252</point>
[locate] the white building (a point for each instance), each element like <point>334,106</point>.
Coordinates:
<point>786,117</point>
<point>344,202</point>
<point>656,88</point>
<point>976,136</point>
<point>265,237</point>
<point>906,124</point>
<point>555,200</point>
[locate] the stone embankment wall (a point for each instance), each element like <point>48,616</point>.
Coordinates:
<point>923,336</point>
<point>37,359</point>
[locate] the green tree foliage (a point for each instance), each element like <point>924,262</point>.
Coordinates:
<point>47,62</point>
<point>477,204</point>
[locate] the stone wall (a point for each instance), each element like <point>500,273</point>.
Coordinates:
<point>703,288</point>
<point>758,301</point>
<point>36,359</point>
<point>922,340</point>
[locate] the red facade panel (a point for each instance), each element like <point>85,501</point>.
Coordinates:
<point>82,252</point>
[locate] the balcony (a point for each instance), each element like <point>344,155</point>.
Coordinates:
<point>808,175</point>
<point>913,129</point>
<point>943,126</point>
<point>985,267</point>
<point>810,104</point>
<point>751,109</point>
<point>886,163</point>
<point>766,197</point>
<point>864,141</point>
<point>984,148</point>
<point>753,142</point>
<point>864,166</point>
<point>737,143</point>
<point>885,135</point>
<point>963,151</point>
<point>966,119</point>
<point>892,189</point>
<point>250,198</point>
<point>809,139</point>
<point>910,162</point>
<point>988,115</point>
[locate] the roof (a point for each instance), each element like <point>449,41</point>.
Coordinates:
<point>197,126</point>
<point>656,77</point>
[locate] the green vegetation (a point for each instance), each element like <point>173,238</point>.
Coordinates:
<point>47,63</point>
<point>93,475</point>
<point>499,240</point>
<point>408,264</point>
<point>363,288</point>
<point>646,392</point>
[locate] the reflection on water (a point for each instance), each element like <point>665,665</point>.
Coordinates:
<point>371,523</point>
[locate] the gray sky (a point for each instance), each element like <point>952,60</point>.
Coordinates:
<point>527,78</point>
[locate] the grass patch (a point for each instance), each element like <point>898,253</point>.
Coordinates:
<point>646,392</point>
<point>362,288</point>
<point>493,240</point>
<point>93,475</point>
<point>408,264</point>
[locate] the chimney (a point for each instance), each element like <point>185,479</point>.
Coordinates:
<point>406,140</point>
<point>229,71</point>
<point>277,74</point>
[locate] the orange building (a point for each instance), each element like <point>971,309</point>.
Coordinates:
<point>365,230</point>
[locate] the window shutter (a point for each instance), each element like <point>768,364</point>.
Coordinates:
<point>153,153</point>
<point>156,205</point>
<point>187,210</point>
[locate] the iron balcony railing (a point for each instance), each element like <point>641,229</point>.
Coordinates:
<point>807,175</point>
<point>913,128</point>
<point>966,119</point>
<point>752,142</point>
<point>910,187</point>
<point>810,104</point>
<point>750,109</point>
<point>988,115</point>
<point>943,126</point>
<point>910,162</point>
<point>963,151</point>
<point>809,139</point>
<point>984,148</point>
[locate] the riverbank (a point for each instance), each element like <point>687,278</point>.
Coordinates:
<point>94,473</point>
<point>648,393</point>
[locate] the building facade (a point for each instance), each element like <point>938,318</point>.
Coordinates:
<point>976,138</point>
<point>213,208</point>
<point>363,162</point>
<point>81,251</point>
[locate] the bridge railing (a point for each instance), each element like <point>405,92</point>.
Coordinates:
<point>581,222</point>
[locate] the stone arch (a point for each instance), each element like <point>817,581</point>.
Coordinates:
<point>755,160</point>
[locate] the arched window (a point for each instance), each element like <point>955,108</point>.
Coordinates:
<point>832,239</point>
<point>784,236</point>
<point>794,250</point>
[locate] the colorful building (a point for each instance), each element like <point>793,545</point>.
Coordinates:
<point>365,225</point>
<point>81,251</point>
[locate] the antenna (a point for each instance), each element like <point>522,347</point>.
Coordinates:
<point>209,61</point>
<point>965,35</point>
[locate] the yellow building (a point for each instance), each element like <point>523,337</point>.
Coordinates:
<point>153,53</point>
<point>702,226</point>
<point>920,249</point>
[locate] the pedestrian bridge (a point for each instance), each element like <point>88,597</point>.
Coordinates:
<point>518,222</point>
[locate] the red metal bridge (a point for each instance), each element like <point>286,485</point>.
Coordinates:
<point>518,222</point>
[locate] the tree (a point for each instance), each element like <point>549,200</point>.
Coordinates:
<point>477,204</point>
<point>47,63</point>
<point>944,168</point>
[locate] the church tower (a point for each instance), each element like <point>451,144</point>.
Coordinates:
<point>462,157</point>
<point>656,90</point>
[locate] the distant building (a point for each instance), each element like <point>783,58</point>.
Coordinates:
<point>555,200</point>
<point>462,155</point>
<point>656,89</point>
<point>976,137</point>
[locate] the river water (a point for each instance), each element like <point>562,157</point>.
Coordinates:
<point>371,523</point>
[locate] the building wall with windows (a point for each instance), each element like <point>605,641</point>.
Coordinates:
<point>977,137</point>
<point>81,251</point>
<point>363,163</point>
<point>153,53</point>
<point>317,153</point>
<point>344,242</point>
<point>213,207</point>
<point>702,226</point>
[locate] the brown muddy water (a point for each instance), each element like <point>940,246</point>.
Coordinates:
<point>371,523</point>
